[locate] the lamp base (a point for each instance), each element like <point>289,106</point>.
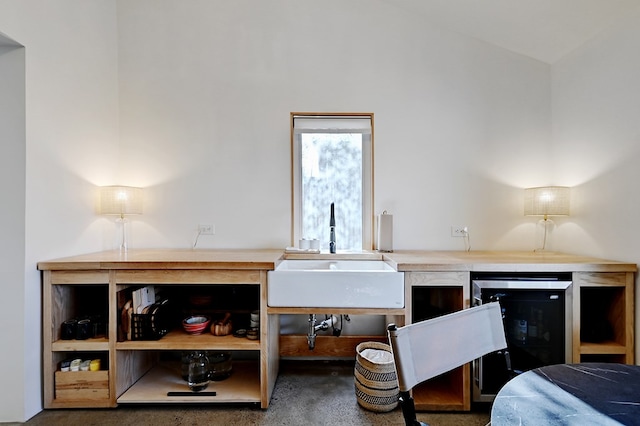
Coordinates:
<point>122,222</point>
<point>544,229</point>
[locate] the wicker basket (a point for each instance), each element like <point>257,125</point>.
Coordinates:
<point>376,383</point>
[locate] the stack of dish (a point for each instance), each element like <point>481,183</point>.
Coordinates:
<point>253,333</point>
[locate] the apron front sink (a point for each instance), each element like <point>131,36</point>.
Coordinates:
<point>335,284</point>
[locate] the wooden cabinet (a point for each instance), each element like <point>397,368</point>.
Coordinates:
<point>69,295</point>
<point>428,295</point>
<point>148,371</point>
<point>603,317</point>
<point>601,325</point>
<point>436,283</point>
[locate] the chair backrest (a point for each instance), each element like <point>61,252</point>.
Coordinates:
<point>428,348</point>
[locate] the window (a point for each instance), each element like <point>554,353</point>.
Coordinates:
<point>332,162</point>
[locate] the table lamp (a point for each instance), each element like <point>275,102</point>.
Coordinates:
<point>121,201</point>
<point>546,201</point>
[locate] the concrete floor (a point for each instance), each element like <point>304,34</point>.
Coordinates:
<point>306,393</point>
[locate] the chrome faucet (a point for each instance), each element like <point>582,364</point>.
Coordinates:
<point>332,228</point>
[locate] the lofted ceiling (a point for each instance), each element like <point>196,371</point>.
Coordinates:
<point>545,30</point>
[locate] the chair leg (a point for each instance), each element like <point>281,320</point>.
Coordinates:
<point>409,410</point>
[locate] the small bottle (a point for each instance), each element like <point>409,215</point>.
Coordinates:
<point>520,327</point>
<point>540,325</point>
<point>94,364</point>
<point>532,330</point>
<point>522,331</point>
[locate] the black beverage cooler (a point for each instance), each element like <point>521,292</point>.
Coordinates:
<point>536,311</point>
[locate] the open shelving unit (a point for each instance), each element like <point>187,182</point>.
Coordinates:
<point>154,387</point>
<point>429,295</point>
<point>142,371</point>
<point>603,317</point>
<point>65,297</point>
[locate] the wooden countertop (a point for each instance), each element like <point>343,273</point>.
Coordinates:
<point>268,259</point>
<point>502,261</point>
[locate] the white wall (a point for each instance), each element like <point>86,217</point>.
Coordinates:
<point>12,219</point>
<point>71,145</point>
<point>596,144</point>
<point>206,88</point>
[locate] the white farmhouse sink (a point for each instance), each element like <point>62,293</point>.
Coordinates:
<point>335,284</point>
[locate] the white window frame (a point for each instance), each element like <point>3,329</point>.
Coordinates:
<point>335,122</point>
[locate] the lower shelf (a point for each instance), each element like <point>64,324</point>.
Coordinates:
<point>243,386</point>
<point>443,393</point>
<point>608,347</point>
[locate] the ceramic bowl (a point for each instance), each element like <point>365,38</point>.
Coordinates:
<point>196,324</point>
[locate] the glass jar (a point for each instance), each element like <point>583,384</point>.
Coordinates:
<point>198,371</point>
<point>220,365</point>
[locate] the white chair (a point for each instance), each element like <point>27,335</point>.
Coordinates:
<point>429,348</point>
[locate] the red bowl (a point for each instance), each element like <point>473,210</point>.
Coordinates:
<point>196,324</point>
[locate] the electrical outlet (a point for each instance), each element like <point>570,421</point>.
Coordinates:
<point>459,231</point>
<point>206,229</point>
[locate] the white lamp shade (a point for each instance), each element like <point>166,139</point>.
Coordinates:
<point>120,200</point>
<point>546,201</point>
